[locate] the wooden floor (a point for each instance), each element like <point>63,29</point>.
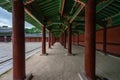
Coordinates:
<point>58,66</point>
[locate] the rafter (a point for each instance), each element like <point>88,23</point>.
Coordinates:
<point>73,7</point>
<point>112,16</point>
<point>3,3</point>
<point>28,12</point>
<point>82,5</point>
<point>28,2</point>
<point>45,2</point>
<point>62,9</point>
<point>104,6</point>
<point>48,5</point>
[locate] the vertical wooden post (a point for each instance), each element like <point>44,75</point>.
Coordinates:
<point>43,40</point>
<point>52,39</point>
<point>62,38</point>
<point>90,24</point>
<point>69,39</point>
<point>104,39</point>
<point>18,41</point>
<point>49,40</point>
<point>65,39</point>
<point>78,39</point>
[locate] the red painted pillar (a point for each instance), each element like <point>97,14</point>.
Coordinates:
<point>90,24</point>
<point>18,40</point>
<point>52,39</point>
<point>55,40</point>
<point>104,39</point>
<point>62,38</point>
<point>69,39</point>
<point>43,40</point>
<point>78,39</point>
<point>49,40</point>
<point>65,39</point>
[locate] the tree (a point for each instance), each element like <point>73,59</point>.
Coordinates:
<point>32,30</point>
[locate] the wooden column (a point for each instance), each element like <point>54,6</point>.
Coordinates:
<point>69,39</point>
<point>65,39</point>
<point>62,39</point>
<point>52,40</point>
<point>18,41</point>
<point>49,40</point>
<point>55,40</point>
<point>78,39</point>
<point>43,40</point>
<point>90,24</point>
<point>104,39</point>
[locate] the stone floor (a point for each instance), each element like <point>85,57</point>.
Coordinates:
<point>58,66</point>
<point>6,49</point>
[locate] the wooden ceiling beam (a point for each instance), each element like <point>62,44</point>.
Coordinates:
<point>29,13</point>
<point>82,5</point>
<point>29,2</point>
<point>49,4</point>
<point>62,9</point>
<point>107,4</point>
<point>3,3</point>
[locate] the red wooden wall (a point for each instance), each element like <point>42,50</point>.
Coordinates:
<point>113,40</point>
<point>2,39</point>
<point>34,39</point>
<point>27,39</point>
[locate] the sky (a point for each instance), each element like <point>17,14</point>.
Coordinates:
<point>6,19</point>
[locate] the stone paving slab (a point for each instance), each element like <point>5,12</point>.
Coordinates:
<point>6,49</point>
<point>58,66</point>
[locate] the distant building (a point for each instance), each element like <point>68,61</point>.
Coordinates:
<point>34,37</point>
<point>6,34</point>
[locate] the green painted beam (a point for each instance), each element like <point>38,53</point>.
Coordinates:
<point>49,13</point>
<point>105,12</point>
<point>33,17</point>
<point>50,4</point>
<point>118,14</point>
<point>116,5</point>
<point>103,5</point>
<point>45,2</point>
<point>3,3</point>
<point>109,11</point>
<point>71,11</point>
<point>50,7</point>
<point>37,14</point>
<point>60,5</point>
<point>76,13</point>
<point>113,9</point>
